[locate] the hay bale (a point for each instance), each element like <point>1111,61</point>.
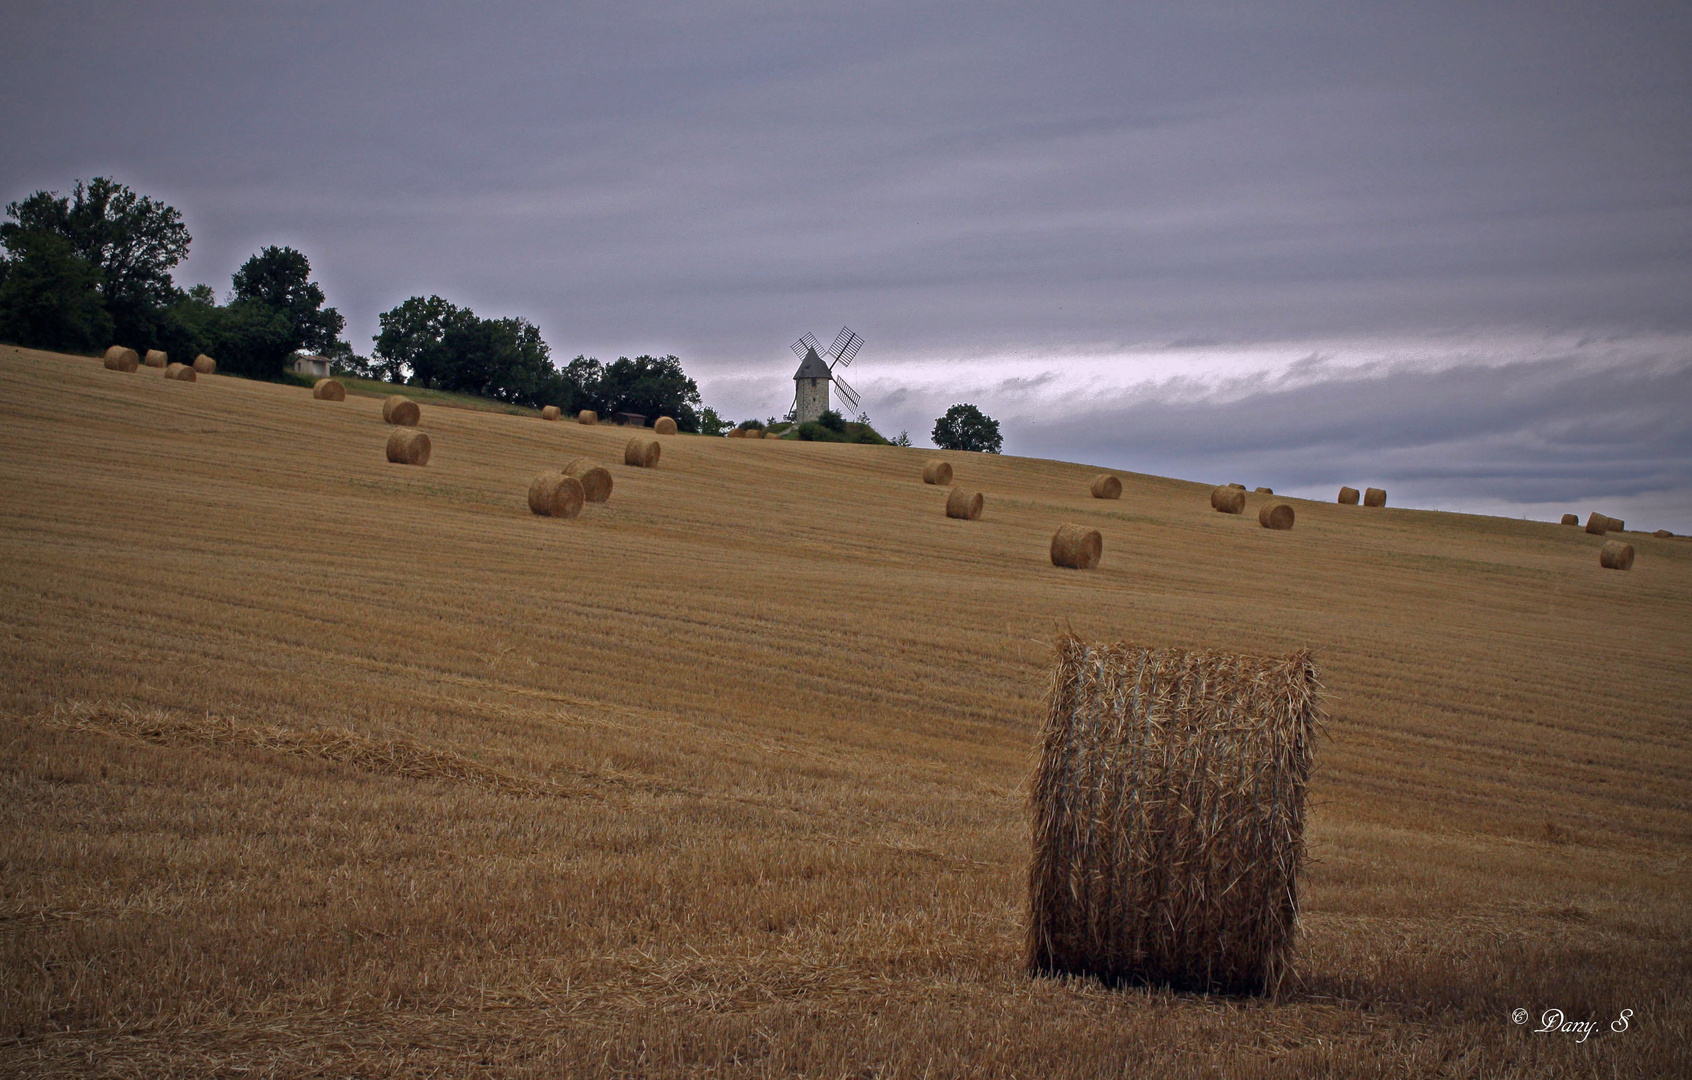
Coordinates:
<point>1662,534</point>
<point>551,412</point>
<point>1264,491</point>
<point>556,494</point>
<point>964,505</point>
<point>595,479</point>
<point>1616,555</point>
<point>1374,497</point>
<point>937,472</point>
<point>1571,519</point>
<point>1597,524</point>
<point>1348,496</point>
<point>119,358</point>
<point>1106,486</point>
<point>1618,525</point>
<point>180,372</point>
<point>737,433</point>
<point>642,452</point>
<point>1077,547</point>
<point>587,416</point>
<point>1168,815</point>
<point>157,359</point>
<point>408,446</point>
<point>664,425</point>
<point>205,365</point>
<point>330,390</point>
<point>1275,515</point>
<point>401,410</point>
<point>1237,487</point>
<point>1228,499</point>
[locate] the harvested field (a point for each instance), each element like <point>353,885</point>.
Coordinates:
<point>364,770</point>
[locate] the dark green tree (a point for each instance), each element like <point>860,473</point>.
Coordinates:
<point>410,346</point>
<point>49,296</point>
<point>247,337</point>
<point>965,427</point>
<point>280,278</point>
<point>652,386</point>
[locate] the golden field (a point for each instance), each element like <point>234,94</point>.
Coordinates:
<point>318,765</point>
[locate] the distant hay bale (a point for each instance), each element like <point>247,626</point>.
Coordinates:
<point>937,472</point>
<point>1348,496</point>
<point>1264,491</point>
<point>180,372</point>
<point>551,412</point>
<point>157,359</point>
<point>1077,547</point>
<point>1374,497</point>
<point>328,390</point>
<point>1618,525</point>
<point>595,479</point>
<point>1106,486</point>
<point>556,494</point>
<point>401,410</point>
<point>964,505</point>
<point>1571,519</point>
<point>119,358</point>
<point>1662,534</point>
<point>1616,555</point>
<point>1168,815</point>
<point>1275,515</point>
<point>1228,499</point>
<point>642,452</point>
<point>205,365</point>
<point>408,446</point>
<point>1237,487</point>
<point>737,433</point>
<point>664,425</point>
<point>1597,524</point>
<point>587,416</point>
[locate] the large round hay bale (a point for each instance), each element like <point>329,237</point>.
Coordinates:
<point>1228,499</point>
<point>205,365</point>
<point>408,446</point>
<point>664,425</point>
<point>1348,496</point>
<point>1106,486</point>
<point>119,358</point>
<point>587,416</point>
<point>556,494</point>
<point>1618,525</point>
<point>1264,491</point>
<point>157,359</point>
<point>1571,519</point>
<point>737,433</point>
<point>401,410</point>
<point>1374,497</point>
<point>328,390</point>
<point>595,479</point>
<point>937,472</point>
<point>551,412</point>
<point>1077,547</point>
<point>1662,534</point>
<point>642,452</point>
<point>1237,487</point>
<point>180,372</point>
<point>1616,555</point>
<point>964,505</point>
<point>1597,524</point>
<point>1275,515</point>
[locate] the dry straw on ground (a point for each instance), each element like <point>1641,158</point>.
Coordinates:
<point>1106,486</point>
<point>119,358</point>
<point>1571,519</point>
<point>1077,547</point>
<point>328,390</point>
<point>180,373</point>
<point>1168,815</point>
<point>664,425</point>
<point>1374,497</point>
<point>1348,496</point>
<point>587,416</point>
<point>1275,515</point>
<point>157,359</point>
<point>551,412</point>
<point>1264,491</point>
<point>556,494</point>
<point>1616,555</point>
<point>642,452</point>
<point>964,505</point>
<point>205,365</point>
<point>595,479</point>
<point>937,472</point>
<point>399,409</point>
<point>1229,499</point>
<point>408,446</point>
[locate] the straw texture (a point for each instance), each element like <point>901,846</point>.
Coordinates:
<point>937,472</point>
<point>551,412</point>
<point>1168,815</point>
<point>1228,499</point>
<point>1106,486</point>
<point>1571,519</point>
<point>1077,547</point>
<point>1374,497</point>
<point>1616,555</point>
<point>1275,515</point>
<point>595,479</point>
<point>155,358</point>
<point>664,425</point>
<point>1264,491</point>
<point>328,390</point>
<point>556,494</point>
<point>1662,534</point>
<point>205,365</point>
<point>964,505</point>
<point>1348,496</point>
<point>642,452</point>
<point>180,372</point>
<point>408,446</point>
<point>119,358</point>
<point>587,416</point>
<point>399,409</point>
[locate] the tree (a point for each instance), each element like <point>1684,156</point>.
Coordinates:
<point>434,343</point>
<point>712,424</point>
<point>49,297</point>
<point>280,278</point>
<point>248,337</point>
<point>965,427</point>
<point>409,346</point>
<point>651,386</point>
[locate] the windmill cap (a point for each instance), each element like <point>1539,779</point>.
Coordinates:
<point>812,367</point>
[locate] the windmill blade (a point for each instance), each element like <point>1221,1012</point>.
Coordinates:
<point>845,347</point>
<point>846,392</point>
<point>806,342</point>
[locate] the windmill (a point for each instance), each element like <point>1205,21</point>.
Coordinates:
<point>810,382</point>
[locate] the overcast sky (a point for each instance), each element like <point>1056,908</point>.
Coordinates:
<point>1445,249</point>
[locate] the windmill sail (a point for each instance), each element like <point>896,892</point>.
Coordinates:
<point>807,342</point>
<point>845,347</point>
<point>847,394</point>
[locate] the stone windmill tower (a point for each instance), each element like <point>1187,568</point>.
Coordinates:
<point>810,382</point>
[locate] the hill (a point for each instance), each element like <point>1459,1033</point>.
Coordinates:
<point>319,764</point>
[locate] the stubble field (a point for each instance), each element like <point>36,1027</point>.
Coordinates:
<point>311,764</point>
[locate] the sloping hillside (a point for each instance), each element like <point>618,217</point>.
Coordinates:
<point>316,763</point>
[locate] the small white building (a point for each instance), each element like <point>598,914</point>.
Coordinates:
<point>316,367</point>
